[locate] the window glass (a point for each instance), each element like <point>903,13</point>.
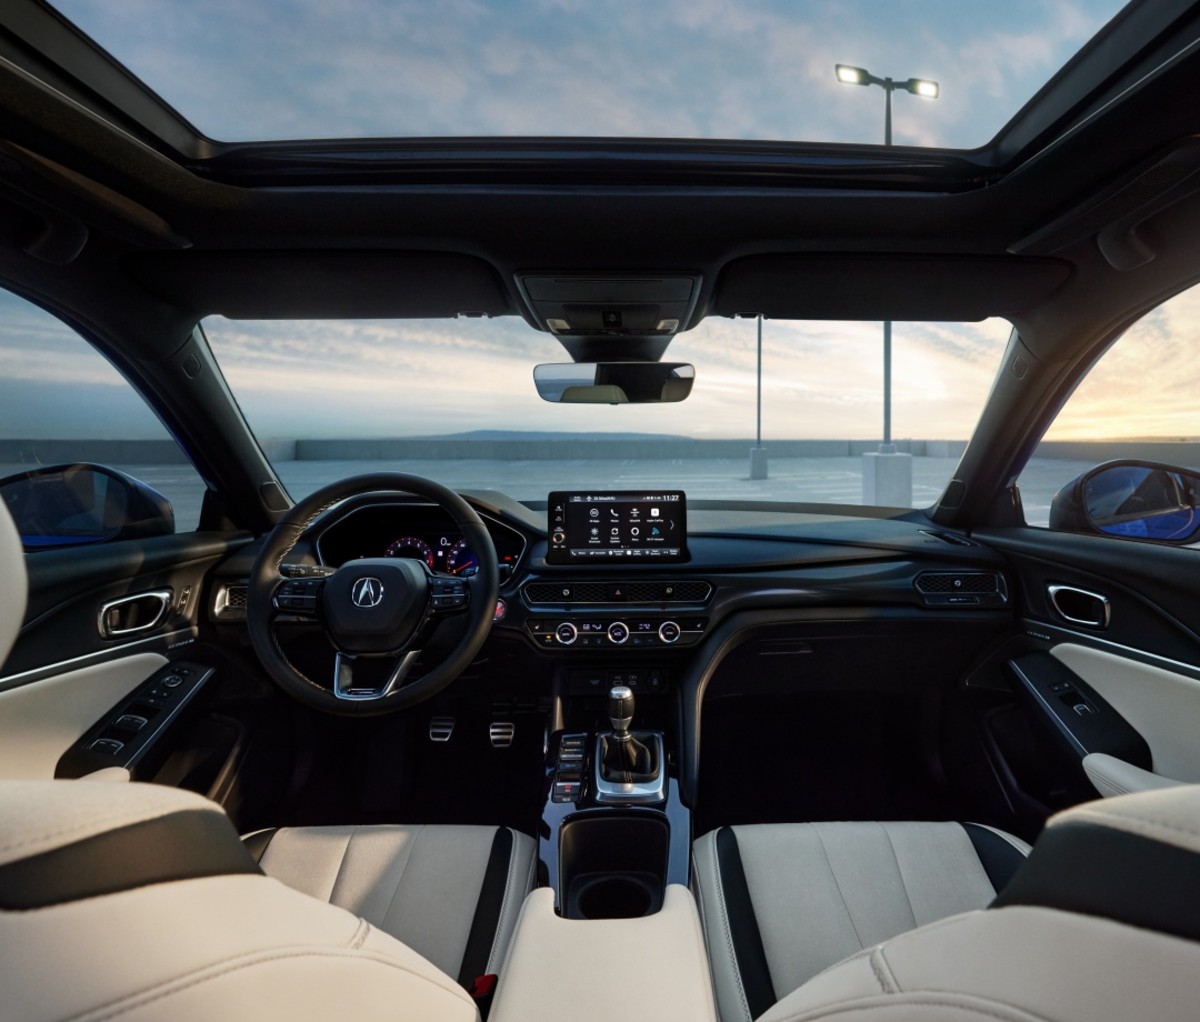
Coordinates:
<point>62,402</point>
<point>1140,401</point>
<point>455,400</point>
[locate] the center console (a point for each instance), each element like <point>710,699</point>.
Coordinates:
<point>615,842</point>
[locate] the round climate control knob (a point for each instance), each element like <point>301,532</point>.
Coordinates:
<point>618,632</point>
<point>669,631</point>
<point>566,633</point>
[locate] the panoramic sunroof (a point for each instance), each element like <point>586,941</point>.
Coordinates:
<point>702,69</point>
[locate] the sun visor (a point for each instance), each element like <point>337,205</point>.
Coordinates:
<point>848,287</point>
<point>324,285</point>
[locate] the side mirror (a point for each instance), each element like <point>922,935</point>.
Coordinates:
<point>67,505</point>
<point>614,383</point>
<point>1136,499</point>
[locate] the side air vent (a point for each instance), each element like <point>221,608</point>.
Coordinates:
<point>230,603</point>
<point>645,592</point>
<point>961,588</point>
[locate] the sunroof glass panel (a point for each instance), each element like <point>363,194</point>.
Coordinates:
<point>698,69</point>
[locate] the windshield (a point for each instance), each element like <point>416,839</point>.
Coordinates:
<point>755,69</point>
<point>456,401</point>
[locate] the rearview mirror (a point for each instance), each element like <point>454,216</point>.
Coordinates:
<point>614,383</point>
<point>1136,499</point>
<point>68,505</point>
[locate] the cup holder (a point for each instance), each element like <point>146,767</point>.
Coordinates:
<point>612,864</point>
<point>616,896</point>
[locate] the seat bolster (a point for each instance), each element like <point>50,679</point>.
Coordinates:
<point>732,1004</point>
<point>1011,963</point>
<point>230,947</point>
<point>522,867</point>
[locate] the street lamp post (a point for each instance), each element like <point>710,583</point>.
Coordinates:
<point>758,453</point>
<point>926,89</point>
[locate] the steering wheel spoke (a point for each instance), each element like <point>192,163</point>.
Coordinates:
<point>343,678</point>
<point>298,598</point>
<point>448,594</point>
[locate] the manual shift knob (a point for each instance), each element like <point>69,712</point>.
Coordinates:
<point>620,711</point>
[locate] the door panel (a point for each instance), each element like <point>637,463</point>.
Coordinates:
<point>1143,655</point>
<point>69,665</point>
<point>43,719</point>
<point>1163,706</point>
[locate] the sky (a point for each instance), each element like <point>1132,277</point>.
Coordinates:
<point>242,70</point>
<point>691,68</point>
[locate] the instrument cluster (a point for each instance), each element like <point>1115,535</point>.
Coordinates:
<point>420,531</point>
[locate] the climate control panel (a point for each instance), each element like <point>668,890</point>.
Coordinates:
<point>629,632</point>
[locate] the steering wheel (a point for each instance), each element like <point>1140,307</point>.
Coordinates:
<point>372,608</point>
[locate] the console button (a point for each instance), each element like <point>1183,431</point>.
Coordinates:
<point>618,632</point>
<point>110,746</point>
<point>669,631</point>
<point>566,633</point>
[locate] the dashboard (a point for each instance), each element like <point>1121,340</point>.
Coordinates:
<point>423,532</point>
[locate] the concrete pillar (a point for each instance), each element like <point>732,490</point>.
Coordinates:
<point>887,479</point>
<point>758,463</point>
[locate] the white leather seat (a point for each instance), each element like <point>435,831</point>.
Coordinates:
<point>451,893</point>
<point>782,902</point>
<point>139,902</point>
<point>1100,925</point>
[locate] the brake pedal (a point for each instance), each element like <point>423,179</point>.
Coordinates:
<point>441,728</point>
<point>501,733</point>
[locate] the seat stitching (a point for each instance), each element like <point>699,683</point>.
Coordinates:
<point>722,912</point>
<point>883,970</point>
<point>837,884</point>
<point>508,887</point>
<point>912,912</point>
<point>1005,1013</point>
<point>360,935</point>
<point>341,867</point>
<point>176,986</point>
<point>412,847</point>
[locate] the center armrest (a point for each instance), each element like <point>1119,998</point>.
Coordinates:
<point>589,970</point>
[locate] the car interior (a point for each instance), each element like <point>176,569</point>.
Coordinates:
<point>389,746</point>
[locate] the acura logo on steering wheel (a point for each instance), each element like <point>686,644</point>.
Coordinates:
<point>367,592</point>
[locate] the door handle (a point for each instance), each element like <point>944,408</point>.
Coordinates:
<point>1080,606</point>
<point>133,614</point>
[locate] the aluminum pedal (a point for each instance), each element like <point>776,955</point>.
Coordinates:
<point>501,733</point>
<point>441,728</point>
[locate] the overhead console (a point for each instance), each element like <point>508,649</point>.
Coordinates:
<point>594,314</point>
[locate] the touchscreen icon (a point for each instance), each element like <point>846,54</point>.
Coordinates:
<point>595,512</point>
<point>613,511</point>
<point>654,512</point>
<point>616,531</point>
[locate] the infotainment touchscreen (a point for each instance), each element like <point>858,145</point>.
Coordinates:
<point>617,526</point>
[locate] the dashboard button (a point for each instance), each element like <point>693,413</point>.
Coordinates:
<point>668,631</point>
<point>618,632</point>
<point>566,633</point>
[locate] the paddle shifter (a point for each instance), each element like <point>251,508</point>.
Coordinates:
<point>628,763</point>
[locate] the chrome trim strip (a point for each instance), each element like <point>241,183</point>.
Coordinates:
<point>1033,628</point>
<point>165,597</point>
<point>1052,592</point>
<point>614,793</point>
<point>168,640</point>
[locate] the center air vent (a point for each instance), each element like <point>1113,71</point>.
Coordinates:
<point>961,588</point>
<point>559,593</point>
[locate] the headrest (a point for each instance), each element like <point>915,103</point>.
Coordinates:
<point>1134,859</point>
<point>64,840</point>
<point>13,584</point>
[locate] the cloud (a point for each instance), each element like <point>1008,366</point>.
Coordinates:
<point>677,68</point>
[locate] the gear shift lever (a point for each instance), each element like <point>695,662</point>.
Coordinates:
<point>625,758</point>
<point>620,712</point>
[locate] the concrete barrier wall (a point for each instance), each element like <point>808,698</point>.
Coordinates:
<point>165,452</point>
